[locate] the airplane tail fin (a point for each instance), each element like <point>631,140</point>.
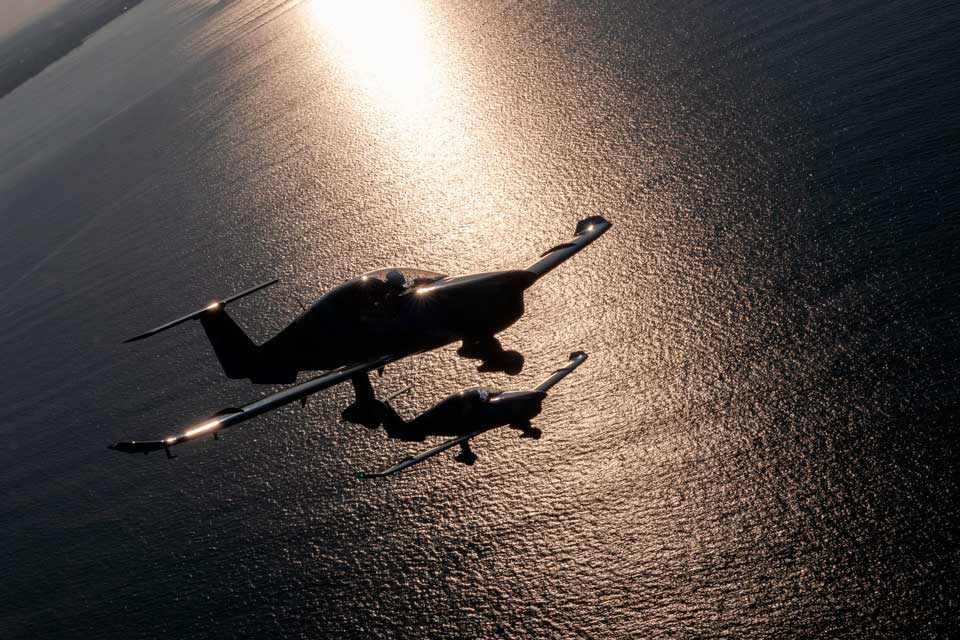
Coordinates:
<point>238,355</point>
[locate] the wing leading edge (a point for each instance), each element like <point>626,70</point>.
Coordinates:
<point>577,358</point>
<point>233,416</point>
<point>588,230</point>
<point>409,462</point>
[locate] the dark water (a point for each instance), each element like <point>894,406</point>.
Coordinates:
<point>47,33</point>
<point>761,445</point>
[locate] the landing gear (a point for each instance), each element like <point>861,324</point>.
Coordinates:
<point>528,430</point>
<point>466,456</point>
<point>494,358</point>
<point>509,362</point>
<point>366,410</point>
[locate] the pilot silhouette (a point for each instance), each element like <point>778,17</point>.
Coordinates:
<point>395,280</point>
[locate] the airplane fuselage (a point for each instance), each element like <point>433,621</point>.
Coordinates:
<point>364,318</point>
<point>468,411</point>
<point>383,316</point>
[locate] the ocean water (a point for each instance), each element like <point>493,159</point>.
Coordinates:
<point>762,443</point>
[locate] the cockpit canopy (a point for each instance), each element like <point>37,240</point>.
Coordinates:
<point>461,405</point>
<point>411,277</point>
<point>377,292</point>
<point>475,395</point>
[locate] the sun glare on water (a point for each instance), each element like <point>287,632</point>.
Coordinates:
<point>403,72</point>
<point>390,55</point>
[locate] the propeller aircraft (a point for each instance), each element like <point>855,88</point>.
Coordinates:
<point>468,414</point>
<point>362,326</point>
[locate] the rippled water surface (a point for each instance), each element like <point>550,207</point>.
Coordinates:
<point>761,444</point>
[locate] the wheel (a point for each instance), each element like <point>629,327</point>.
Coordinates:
<point>509,362</point>
<point>466,457</point>
<point>479,348</point>
<point>532,433</point>
<point>512,362</point>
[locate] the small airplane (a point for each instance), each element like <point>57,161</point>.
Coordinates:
<point>362,326</point>
<point>468,414</point>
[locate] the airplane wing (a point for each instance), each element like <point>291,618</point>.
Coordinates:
<point>409,462</point>
<point>588,230</point>
<point>232,416</point>
<point>577,358</point>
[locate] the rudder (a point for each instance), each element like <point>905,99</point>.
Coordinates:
<point>237,353</point>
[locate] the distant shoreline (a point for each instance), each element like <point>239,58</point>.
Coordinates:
<point>28,52</point>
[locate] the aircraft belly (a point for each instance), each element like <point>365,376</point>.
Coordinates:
<point>325,343</point>
<point>441,428</point>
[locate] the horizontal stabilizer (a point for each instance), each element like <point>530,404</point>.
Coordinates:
<point>588,230</point>
<point>215,305</point>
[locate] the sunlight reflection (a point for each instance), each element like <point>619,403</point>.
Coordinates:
<point>403,77</point>
<point>388,52</point>
<point>204,428</point>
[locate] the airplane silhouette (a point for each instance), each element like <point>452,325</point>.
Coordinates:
<point>365,324</point>
<point>468,414</point>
